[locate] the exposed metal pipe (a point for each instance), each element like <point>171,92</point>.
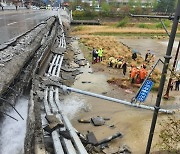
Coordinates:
<point>52,64</point>
<point>8,115</point>
<point>78,144</point>
<point>66,143</point>
<point>152,16</point>
<point>65,88</point>
<point>57,144</point>
<point>46,105</point>
<point>17,92</point>
<point>163,76</point>
<point>55,136</point>
<point>164,26</point>
<point>12,107</point>
<point>54,70</point>
<point>59,68</point>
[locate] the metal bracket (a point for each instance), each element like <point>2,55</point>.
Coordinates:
<point>164,26</point>
<point>167,57</point>
<point>156,107</point>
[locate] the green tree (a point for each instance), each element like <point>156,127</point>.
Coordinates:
<point>106,8</point>
<point>131,3</point>
<point>93,4</point>
<point>154,4</point>
<point>166,6</point>
<point>86,6</point>
<point>138,3</point>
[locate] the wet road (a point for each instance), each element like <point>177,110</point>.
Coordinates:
<point>15,23</point>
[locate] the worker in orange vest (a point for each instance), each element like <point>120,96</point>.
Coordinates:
<point>133,73</point>
<point>142,73</point>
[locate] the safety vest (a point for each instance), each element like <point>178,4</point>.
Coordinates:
<point>142,73</point>
<point>133,72</point>
<point>100,52</point>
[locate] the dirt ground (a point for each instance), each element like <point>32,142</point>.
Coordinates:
<point>114,31</point>
<point>132,122</point>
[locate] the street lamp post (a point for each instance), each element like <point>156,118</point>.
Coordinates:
<point>163,76</point>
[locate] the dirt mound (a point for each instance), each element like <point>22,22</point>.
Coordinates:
<point>111,47</point>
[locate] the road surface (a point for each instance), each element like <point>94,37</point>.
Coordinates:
<point>14,23</point>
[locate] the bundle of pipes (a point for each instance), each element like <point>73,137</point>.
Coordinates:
<point>53,107</point>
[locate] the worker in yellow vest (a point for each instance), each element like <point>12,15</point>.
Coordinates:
<point>100,54</point>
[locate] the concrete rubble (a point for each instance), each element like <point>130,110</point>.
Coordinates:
<point>13,58</point>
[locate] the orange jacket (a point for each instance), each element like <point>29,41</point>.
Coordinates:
<point>142,73</point>
<point>133,72</point>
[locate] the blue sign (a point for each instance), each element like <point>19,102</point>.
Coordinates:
<point>144,91</point>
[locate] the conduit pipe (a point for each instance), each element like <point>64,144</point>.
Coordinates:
<point>68,145</point>
<point>77,142</point>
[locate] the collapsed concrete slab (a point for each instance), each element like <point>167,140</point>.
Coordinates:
<point>15,57</point>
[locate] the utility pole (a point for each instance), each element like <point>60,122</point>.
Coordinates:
<point>163,76</point>
<point>166,96</point>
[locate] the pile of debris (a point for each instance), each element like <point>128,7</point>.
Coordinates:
<point>94,146</point>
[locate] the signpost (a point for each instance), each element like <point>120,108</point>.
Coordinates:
<point>144,91</point>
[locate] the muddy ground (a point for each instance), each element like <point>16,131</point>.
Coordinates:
<point>132,122</point>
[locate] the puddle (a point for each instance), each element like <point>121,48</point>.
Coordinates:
<point>72,105</point>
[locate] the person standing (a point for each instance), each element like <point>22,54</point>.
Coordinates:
<point>153,58</point>
<point>146,56</point>
<point>100,54</point>
<point>94,56</point>
<point>124,68</point>
<point>177,82</point>
<point>133,73</point>
<point>172,85</point>
<point>134,56</point>
<point>142,73</point>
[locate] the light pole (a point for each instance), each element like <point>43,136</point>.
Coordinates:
<point>163,76</point>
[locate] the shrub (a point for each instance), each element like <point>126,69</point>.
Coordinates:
<point>142,25</point>
<point>123,22</point>
<point>159,25</point>
<point>90,14</point>
<point>86,14</point>
<point>78,28</point>
<point>167,23</point>
<point>78,14</point>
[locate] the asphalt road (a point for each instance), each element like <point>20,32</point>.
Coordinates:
<point>14,23</point>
